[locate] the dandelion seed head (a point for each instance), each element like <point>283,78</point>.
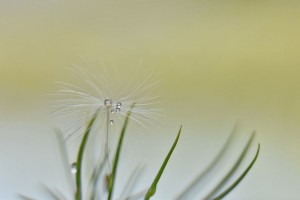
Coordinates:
<point>106,91</point>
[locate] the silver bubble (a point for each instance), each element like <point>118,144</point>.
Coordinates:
<point>119,104</point>
<point>74,168</point>
<point>108,103</point>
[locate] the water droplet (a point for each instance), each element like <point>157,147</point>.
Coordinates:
<point>112,111</point>
<point>108,103</point>
<point>74,168</point>
<point>111,122</point>
<point>119,104</point>
<point>118,110</point>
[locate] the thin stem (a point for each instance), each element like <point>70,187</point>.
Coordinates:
<point>107,140</point>
<point>108,130</point>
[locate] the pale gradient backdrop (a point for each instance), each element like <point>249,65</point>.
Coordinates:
<point>218,62</point>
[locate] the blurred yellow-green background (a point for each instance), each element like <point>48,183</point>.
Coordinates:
<point>217,61</point>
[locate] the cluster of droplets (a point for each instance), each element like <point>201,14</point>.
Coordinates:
<point>117,108</point>
<point>108,103</point>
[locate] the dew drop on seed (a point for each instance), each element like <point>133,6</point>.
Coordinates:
<point>118,110</point>
<point>119,104</point>
<point>74,168</point>
<point>108,103</point>
<point>112,111</point>
<point>111,122</point>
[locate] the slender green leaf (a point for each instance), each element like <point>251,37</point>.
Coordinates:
<point>229,189</point>
<point>117,155</point>
<point>65,159</point>
<point>151,191</point>
<point>78,194</point>
<point>188,191</point>
<point>221,184</point>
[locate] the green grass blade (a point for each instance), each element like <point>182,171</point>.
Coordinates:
<point>117,155</point>
<point>229,189</point>
<point>232,170</point>
<point>65,159</point>
<point>188,191</point>
<point>78,194</point>
<point>151,191</point>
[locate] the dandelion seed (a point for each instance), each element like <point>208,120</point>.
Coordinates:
<point>78,102</point>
